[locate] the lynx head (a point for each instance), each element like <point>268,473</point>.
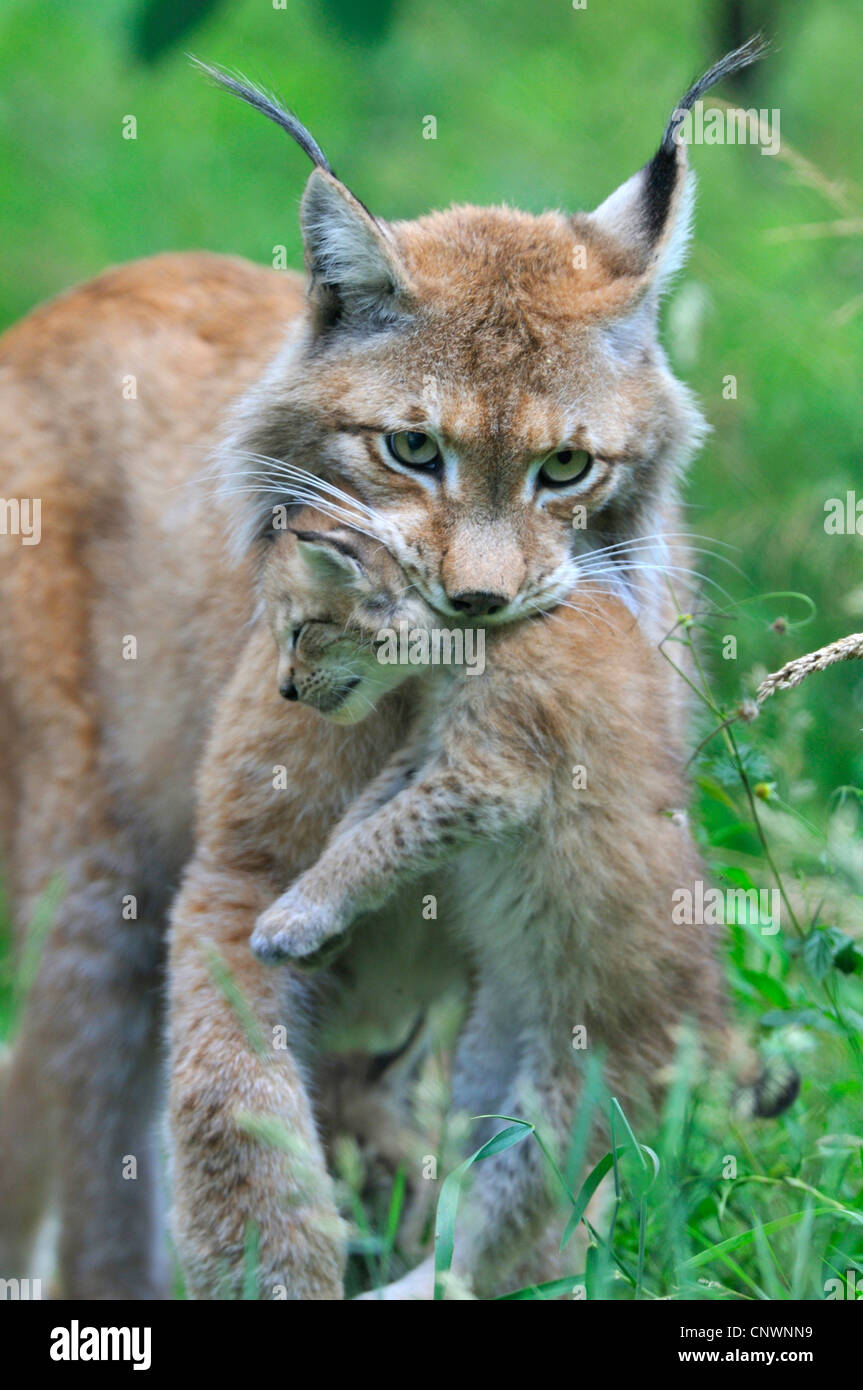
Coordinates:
<point>483,389</point>
<point>328,594</point>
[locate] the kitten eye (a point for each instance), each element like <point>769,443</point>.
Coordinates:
<point>566,466</point>
<point>414,448</point>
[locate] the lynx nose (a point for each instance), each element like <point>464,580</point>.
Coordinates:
<point>289,690</point>
<point>477,603</point>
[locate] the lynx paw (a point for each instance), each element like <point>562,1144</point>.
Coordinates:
<point>298,928</point>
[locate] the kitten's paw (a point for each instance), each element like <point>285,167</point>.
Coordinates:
<point>298,928</point>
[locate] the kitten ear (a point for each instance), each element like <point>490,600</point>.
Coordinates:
<point>648,219</point>
<point>327,562</point>
<point>351,257</point>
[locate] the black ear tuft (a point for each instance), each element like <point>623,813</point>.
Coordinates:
<point>268,106</point>
<point>661,172</point>
<point>742,57</point>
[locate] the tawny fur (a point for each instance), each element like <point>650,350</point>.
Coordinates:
<point>476,324</point>
<point>561,891</point>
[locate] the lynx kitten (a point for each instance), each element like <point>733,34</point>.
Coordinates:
<point>546,794</point>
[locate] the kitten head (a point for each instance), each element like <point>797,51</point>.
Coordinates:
<point>484,389</point>
<point>328,597</point>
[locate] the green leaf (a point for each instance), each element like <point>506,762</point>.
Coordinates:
<point>648,1167</point>
<point>394,1214</point>
<point>765,984</point>
<point>817,954</point>
<point>593,1271</point>
<point>447,1207</point>
<point>582,1126</point>
<point>734,874</point>
<point>504,1140</point>
<point>711,788</point>
<point>725,769</point>
<point>824,948</point>
<point>805,1018</point>
<point>586,1191</point>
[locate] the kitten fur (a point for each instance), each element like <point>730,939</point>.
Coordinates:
<point>520,784</point>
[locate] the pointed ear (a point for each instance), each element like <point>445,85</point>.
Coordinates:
<point>648,219</point>
<point>327,560</point>
<point>351,257</point>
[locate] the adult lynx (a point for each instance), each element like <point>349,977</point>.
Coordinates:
<point>457,386</point>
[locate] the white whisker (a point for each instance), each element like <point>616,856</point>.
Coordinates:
<point>644,543</point>
<point>296,496</point>
<point>609,574</point>
<point>281,468</point>
<point>664,536</point>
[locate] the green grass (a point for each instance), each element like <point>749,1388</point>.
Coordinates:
<point>555,111</point>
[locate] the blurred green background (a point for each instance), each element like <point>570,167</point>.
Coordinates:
<point>544,105</point>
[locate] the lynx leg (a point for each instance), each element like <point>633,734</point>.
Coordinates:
<point>82,1093</point>
<point>251,1187</point>
<point>485,1062</point>
<point>25,1153</point>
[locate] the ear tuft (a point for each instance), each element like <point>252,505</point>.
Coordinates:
<point>268,106</point>
<point>750,52</point>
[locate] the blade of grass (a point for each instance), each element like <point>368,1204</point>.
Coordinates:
<point>745,1237</point>
<point>447,1207</point>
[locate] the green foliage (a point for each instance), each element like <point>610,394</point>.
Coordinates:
<point>160,25</point>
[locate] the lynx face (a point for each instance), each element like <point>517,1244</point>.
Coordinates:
<point>483,389</point>
<point>328,594</point>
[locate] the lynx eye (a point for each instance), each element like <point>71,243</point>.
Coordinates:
<point>566,466</point>
<point>413,448</point>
